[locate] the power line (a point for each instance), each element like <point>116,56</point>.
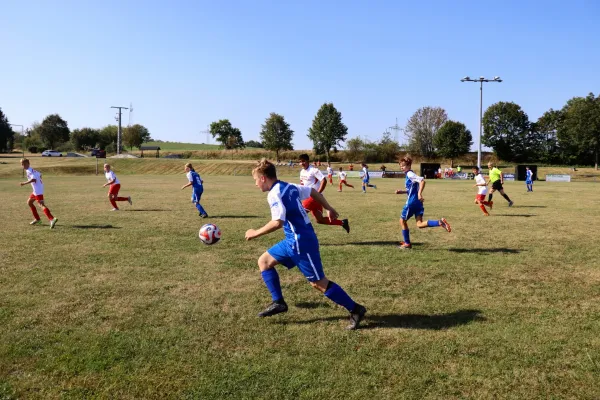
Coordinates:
<point>396,128</point>
<point>207,131</point>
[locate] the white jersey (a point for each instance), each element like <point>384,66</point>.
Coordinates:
<point>38,185</point>
<point>311,177</point>
<point>329,171</point>
<point>480,180</point>
<point>342,175</point>
<point>110,175</point>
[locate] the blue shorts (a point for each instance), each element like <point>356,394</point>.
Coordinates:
<point>528,182</point>
<point>308,260</point>
<point>196,194</point>
<point>365,181</point>
<point>409,210</point>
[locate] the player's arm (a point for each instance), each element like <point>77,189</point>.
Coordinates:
<point>318,197</point>
<point>32,180</point>
<point>186,185</point>
<point>109,183</point>
<point>421,187</point>
<point>501,178</point>
<point>323,184</point>
<point>269,227</point>
<point>400,191</point>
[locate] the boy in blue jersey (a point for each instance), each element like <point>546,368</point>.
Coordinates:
<point>366,178</point>
<point>300,246</point>
<point>529,179</point>
<point>414,205</point>
<point>197,189</point>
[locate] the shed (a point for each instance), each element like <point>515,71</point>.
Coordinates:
<point>150,148</point>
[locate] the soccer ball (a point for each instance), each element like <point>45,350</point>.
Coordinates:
<point>209,234</point>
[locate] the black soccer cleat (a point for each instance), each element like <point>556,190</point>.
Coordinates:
<point>346,225</point>
<point>356,316</point>
<point>273,309</point>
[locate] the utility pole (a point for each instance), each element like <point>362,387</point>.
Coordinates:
<point>119,131</point>
<point>207,131</point>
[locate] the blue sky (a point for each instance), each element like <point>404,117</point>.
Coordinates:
<point>184,64</point>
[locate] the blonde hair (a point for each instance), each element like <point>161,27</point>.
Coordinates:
<point>189,165</point>
<point>24,161</point>
<point>406,160</point>
<point>265,168</point>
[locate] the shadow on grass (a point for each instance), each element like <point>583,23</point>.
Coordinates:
<point>312,305</point>
<point>95,227</point>
<point>405,321</point>
<point>145,209</point>
<point>515,215</point>
<point>482,251</point>
<point>234,216</point>
<point>372,243</point>
<point>529,206</point>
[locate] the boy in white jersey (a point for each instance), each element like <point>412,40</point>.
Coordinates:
<point>414,204</point>
<point>481,186</point>
<point>342,176</point>
<point>300,247</point>
<point>329,173</point>
<point>35,179</point>
<point>311,176</point>
<point>113,190</point>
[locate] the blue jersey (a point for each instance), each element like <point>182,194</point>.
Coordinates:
<point>366,174</point>
<point>529,175</point>
<point>412,187</point>
<point>194,177</point>
<point>285,200</point>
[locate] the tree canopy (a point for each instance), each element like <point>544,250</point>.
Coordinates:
<point>136,135</point>
<point>453,140</point>
<point>6,133</point>
<point>276,134</point>
<point>54,130</point>
<point>506,129</point>
<point>422,127</point>
<point>327,130</point>
<point>227,135</point>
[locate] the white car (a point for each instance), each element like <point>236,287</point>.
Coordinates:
<point>51,153</point>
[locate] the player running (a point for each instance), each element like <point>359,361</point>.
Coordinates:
<point>342,176</point>
<point>481,186</point>
<point>414,204</point>
<point>312,177</point>
<point>329,173</point>
<point>197,189</point>
<point>34,178</point>
<point>497,181</point>
<point>529,179</point>
<point>300,246</point>
<point>366,178</point>
<point>114,187</point>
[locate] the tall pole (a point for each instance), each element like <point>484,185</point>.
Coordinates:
<point>119,130</point>
<point>480,122</point>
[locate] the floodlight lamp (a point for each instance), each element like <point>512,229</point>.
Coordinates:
<point>481,78</point>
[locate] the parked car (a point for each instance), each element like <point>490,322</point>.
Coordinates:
<point>98,153</point>
<point>51,153</point>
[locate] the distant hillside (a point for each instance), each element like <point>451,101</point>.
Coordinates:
<point>176,146</point>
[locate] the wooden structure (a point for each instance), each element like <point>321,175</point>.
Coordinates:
<point>150,148</point>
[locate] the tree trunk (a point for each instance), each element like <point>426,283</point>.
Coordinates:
<point>327,154</point>
<point>596,166</point>
<point>451,163</point>
<point>277,155</point>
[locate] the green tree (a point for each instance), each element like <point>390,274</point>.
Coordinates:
<point>255,144</point>
<point>355,148</point>
<point>453,140</point>
<point>579,131</point>
<point>6,133</point>
<point>547,127</point>
<point>422,127</point>
<point>84,138</point>
<point>506,129</point>
<point>54,130</point>
<point>135,135</point>
<point>387,148</point>
<point>108,136</point>
<point>227,135</point>
<point>276,134</point>
<point>327,130</point>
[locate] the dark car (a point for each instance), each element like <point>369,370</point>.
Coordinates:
<point>98,153</point>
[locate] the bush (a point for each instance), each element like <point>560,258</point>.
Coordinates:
<point>111,148</point>
<point>65,147</point>
<point>32,149</point>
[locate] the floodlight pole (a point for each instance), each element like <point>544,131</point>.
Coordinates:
<point>119,130</point>
<point>22,144</point>
<point>481,79</point>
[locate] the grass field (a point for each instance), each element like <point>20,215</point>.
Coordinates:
<point>130,305</point>
<point>176,146</point>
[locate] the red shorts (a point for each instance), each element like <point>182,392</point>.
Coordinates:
<point>114,189</point>
<point>38,197</point>
<point>312,205</point>
<point>480,197</point>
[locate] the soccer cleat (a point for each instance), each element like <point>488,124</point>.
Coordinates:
<point>115,209</point>
<point>205,215</point>
<point>445,224</point>
<point>405,246</point>
<point>374,186</point>
<point>274,308</point>
<point>346,225</point>
<point>339,190</point>
<point>491,204</point>
<point>356,316</point>
<point>364,191</point>
<point>510,203</point>
<point>36,222</point>
<point>486,214</point>
<point>129,200</point>
<point>53,222</point>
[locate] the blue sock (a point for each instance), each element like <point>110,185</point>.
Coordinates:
<point>431,223</point>
<point>200,208</point>
<point>406,236</point>
<point>271,278</point>
<point>336,294</point>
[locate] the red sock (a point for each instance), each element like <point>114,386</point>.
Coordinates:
<point>48,214</point>
<point>122,199</point>
<point>483,208</point>
<point>486,203</point>
<point>114,204</point>
<point>335,222</point>
<point>34,212</point>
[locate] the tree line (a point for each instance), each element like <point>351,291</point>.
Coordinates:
<point>570,135</point>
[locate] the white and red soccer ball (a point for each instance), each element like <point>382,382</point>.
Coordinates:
<point>209,234</point>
